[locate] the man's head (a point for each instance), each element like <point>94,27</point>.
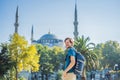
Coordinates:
<point>68,42</point>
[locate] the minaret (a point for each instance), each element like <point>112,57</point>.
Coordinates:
<point>75,23</point>
<point>32,34</point>
<point>16,21</point>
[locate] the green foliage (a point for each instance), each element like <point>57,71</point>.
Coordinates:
<point>21,78</point>
<point>83,45</point>
<point>59,75</point>
<point>109,53</point>
<point>5,61</point>
<point>50,59</point>
<point>57,57</point>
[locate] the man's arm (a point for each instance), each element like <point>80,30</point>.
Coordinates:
<point>72,63</point>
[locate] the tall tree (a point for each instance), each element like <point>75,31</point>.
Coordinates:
<point>58,58</point>
<point>5,62</point>
<point>24,55</point>
<point>109,53</point>
<point>83,45</point>
<point>46,67</point>
<point>50,60</point>
<point>98,51</point>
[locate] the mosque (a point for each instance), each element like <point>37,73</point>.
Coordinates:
<point>49,39</point>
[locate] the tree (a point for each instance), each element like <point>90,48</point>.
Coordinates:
<point>109,53</point>
<point>25,56</point>
<point>82,45</point>
<point>98,51</point>
<point>5,62</point>
<point>46,67</point>
<point>50,59</point>
<point>58,58</point>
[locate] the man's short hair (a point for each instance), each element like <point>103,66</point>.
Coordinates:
<point>70,39</point>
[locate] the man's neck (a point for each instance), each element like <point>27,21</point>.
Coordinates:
<point>69,47</point>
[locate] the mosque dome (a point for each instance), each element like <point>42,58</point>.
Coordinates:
<point>48,37</point>
<point>49,40</point>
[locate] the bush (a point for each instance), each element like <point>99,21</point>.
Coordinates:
<point>59,75</point>
<point>21,78</point>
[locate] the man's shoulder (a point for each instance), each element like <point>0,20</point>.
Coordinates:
<point>71,49</point>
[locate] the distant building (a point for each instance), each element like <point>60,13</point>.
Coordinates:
<point>47,40</point>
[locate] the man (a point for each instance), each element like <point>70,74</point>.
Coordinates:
<point>68,73</point>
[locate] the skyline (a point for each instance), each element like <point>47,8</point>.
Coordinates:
<point>98,19</point>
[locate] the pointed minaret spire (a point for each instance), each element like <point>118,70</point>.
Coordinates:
<point>32,34</point>
<point>16,21</point>
<point>75,22</point>
<point>75,12</point>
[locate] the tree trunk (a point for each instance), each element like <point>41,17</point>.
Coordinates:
<point>42,75</point>
<point>16,73</point>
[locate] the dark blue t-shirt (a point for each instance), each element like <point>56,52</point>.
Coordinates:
<point>70,52</point>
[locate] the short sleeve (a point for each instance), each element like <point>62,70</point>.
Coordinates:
<point>71,52</point>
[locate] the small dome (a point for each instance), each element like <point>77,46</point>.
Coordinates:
<point>48,36</point>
